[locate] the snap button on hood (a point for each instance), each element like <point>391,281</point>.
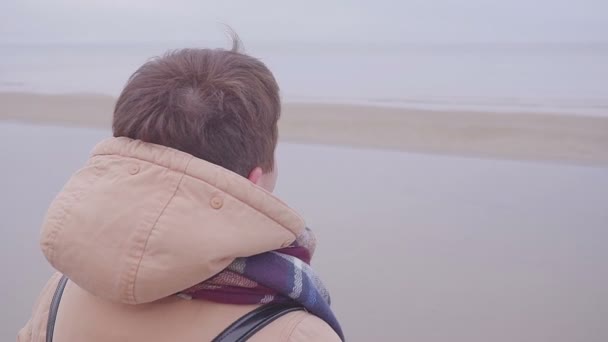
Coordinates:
<point>217,202</point>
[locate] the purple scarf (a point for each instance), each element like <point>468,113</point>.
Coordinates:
<point>275,276</point>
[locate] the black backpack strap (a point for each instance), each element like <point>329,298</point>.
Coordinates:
<point>50,325</point>
<point>246,326</point>
<point>241,330</point>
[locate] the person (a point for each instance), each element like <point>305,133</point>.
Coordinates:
<point>170,231</point>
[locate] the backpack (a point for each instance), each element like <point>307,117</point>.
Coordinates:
<point>241,330</point>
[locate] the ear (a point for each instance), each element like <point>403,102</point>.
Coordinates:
<point>256,175</point>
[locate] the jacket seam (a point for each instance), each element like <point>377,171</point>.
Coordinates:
<point>215,187</point>
<point>64,215</point>
<point>245,203</point>
<point>295,326</point>
<point>275,200</point>
<point>143,251</point>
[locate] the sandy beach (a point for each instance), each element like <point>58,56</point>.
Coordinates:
<point>516,136</point>
<point>455,242</point>
<point>468,226</point>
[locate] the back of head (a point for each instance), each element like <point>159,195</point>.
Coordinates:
<point>218,105</point>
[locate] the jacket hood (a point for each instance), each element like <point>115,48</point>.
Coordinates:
<point>141,222</point>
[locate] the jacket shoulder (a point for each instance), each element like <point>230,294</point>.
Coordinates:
<point>299,326</point>
<point>35,329</point>
<point>312,328</point>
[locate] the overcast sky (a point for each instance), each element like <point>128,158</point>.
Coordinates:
<point>305,21</point>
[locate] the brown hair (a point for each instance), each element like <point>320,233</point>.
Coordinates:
<point>218,105</point>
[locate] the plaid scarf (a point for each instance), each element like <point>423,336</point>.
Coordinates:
<point>276,276</point>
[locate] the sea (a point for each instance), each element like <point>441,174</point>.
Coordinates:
<point>569,78</point>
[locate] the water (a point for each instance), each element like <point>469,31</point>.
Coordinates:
<point>569,79</point>
<point>414,247</point>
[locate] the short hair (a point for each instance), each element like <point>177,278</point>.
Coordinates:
<point>215,104</point>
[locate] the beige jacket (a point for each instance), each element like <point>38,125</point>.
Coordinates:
<point>141,222</point>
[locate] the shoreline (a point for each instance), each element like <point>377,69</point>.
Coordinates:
<point>542,137</point>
